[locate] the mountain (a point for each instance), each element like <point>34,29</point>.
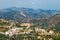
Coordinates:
<point>26,14</point>
<point>39,17</point>
<point>54,22</point>
<point>54,19</point>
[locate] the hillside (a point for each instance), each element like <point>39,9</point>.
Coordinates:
<point>22,13</point>
<point>39,17</point>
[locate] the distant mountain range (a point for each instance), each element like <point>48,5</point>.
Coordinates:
<point>26,14</point>
<point>39,17</point>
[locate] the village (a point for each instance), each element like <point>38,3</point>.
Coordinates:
<point>27,28</point>
<point>27,31</point>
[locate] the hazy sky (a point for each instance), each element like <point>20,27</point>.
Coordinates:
<point>36,4</point>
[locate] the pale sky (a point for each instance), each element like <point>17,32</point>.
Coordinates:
<point>35,4</point>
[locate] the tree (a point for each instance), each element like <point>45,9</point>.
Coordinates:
<point>3,37</point>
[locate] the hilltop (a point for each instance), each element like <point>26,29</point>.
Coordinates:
<point>39,17</point>
<point>22,13</point>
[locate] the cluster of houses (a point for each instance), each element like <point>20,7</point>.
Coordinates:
<point>20,30</point>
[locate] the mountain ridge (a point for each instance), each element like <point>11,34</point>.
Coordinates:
<point>22,13</point>
<point>40,18</point>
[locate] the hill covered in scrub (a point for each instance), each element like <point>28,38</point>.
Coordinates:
<point>21,13</point>
<point>38,17</point>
